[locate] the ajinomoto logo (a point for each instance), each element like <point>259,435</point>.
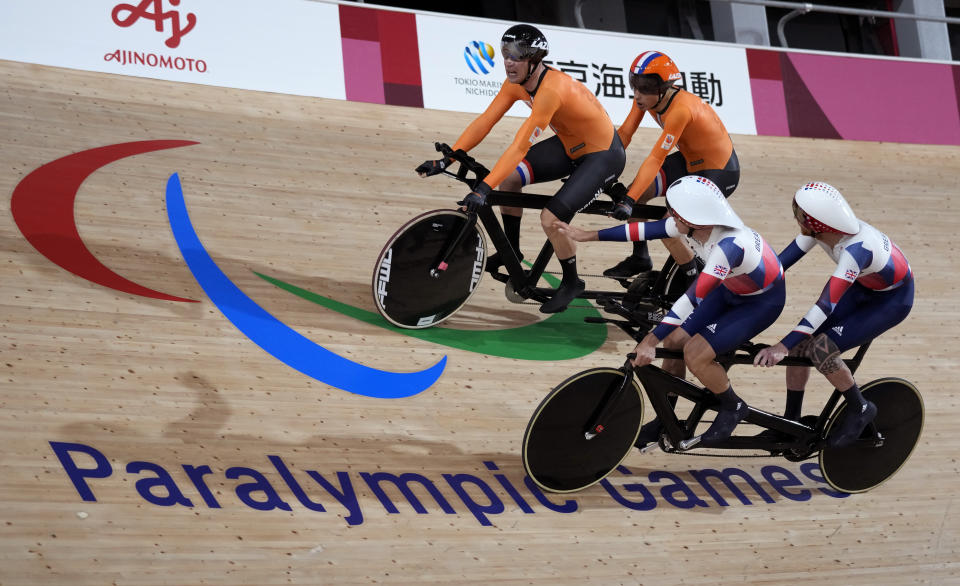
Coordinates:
<point>479,57</point>
<point>173,24</point>
<point>126,15</point>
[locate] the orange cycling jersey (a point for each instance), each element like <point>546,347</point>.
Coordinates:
<point>559,102</point>
<point>687,122</point>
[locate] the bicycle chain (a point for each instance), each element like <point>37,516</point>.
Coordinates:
<point>731,455</point>
<point>555,273</point>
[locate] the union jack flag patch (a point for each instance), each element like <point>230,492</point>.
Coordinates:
<point>720,271</point>
<point>851,275</point>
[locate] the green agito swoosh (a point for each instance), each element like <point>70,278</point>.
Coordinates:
<point>562,336</point>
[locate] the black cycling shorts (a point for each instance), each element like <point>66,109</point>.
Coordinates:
<point>675,167</point>
<point>586,177</point>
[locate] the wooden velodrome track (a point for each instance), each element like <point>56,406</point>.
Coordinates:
<point>187,434</point>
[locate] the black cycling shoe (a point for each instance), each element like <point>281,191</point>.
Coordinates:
<point>855,420</point>
<point>566,293</point>
<point>630,266</point>
<point>726,420</point>
<point>649,433</point>
<point>494,262</point>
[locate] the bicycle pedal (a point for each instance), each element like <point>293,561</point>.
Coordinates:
<point>511,294</point>
<point>686,444</point>
<point>651,447</point>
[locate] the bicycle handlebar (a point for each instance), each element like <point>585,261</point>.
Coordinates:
<point>470,165</point>
<point>467,165</point>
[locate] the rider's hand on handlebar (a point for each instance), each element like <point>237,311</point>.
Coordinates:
<point>646,350</point>
<point>623,210</point>
<point>645,354</point>
<point>475,198</point>
<point>430,168</point>
<point>623,207</point>
<point>770,355</point>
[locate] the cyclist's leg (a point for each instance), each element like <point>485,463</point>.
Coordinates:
<point>591,173</point>
<point>796,377</point>
<point>727,320</point>
<point>676,340</point>
<point>545,161</point>
<point>863,317</point>
<point>515,182</point>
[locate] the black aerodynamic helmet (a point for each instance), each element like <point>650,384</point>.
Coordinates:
<point>523,42</point>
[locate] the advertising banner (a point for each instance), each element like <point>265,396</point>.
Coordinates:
<point>286,46</point>
<point>462,68</point>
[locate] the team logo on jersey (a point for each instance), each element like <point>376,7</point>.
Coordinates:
<point>668,142</point>
<point>838,330</point>
<point>851,275</point>
<point>537,131</point>
<point>712,328</point>
<point>720,271</point>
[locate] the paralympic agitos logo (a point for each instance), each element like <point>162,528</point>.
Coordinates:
<point>42,207</point>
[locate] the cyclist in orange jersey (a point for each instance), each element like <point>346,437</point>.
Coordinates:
<point>702,144</point>
<point>585,148</point>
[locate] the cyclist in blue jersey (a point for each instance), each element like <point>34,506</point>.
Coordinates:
<point>739,293</point>
<point>869,292</point>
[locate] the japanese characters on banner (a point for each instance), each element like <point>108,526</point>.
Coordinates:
<point>284,46</point>
<point>462,69</point>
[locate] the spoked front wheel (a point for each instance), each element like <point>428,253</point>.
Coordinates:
<point>556,452</point>
<point>874,458</point>
<point>412,288</point>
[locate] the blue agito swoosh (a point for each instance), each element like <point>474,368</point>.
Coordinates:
<point>275,337</point>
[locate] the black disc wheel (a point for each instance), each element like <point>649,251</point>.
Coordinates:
<point>557,455</point>
<point>412,288</point>
<point>884,445</point>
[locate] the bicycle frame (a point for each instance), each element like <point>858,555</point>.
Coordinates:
<point>800,440</point>
<point>522,282</point>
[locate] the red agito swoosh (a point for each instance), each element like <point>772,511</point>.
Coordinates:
<point>42,207</point>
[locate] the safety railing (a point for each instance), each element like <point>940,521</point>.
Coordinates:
<point>799,8</point>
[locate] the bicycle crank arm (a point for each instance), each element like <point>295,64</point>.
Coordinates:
<point>652,446</point>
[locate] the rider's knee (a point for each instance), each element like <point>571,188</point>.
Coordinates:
<point>547,218</point>
<point>800,350</point>
<point>512,183</point>
<point>674,343</point>
<point>697,352</point>
<point>822,352</point>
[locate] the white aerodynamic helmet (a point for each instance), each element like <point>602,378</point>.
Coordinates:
<point>820,208</point>
<point>700,203</point>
